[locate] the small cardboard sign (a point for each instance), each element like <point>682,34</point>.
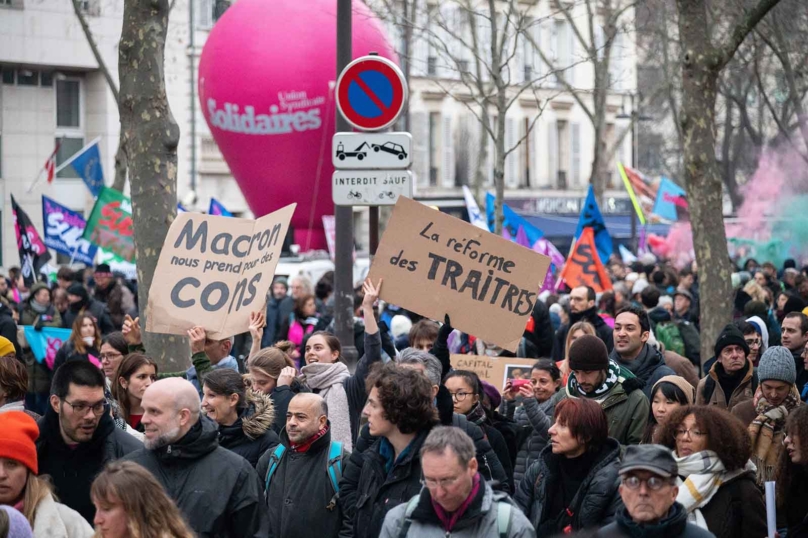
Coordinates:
<point>494,370</point>
<point>435,264</point>
<point>213,271</point>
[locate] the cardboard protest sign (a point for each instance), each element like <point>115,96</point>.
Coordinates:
<point>583,268</point>
<point>110,224</point>
<point>435,264</point>
<point>494,370</point>
<point>213,271</point>
<point>63,232</point>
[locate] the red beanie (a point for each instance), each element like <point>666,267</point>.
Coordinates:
<point>18,432</point>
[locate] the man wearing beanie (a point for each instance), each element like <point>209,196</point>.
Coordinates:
<point>81,302</point>
<point>732,379</point>
<point>118,299</point>
<point>615,388</point>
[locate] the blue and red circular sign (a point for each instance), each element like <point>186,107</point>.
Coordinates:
<point>371,92</point>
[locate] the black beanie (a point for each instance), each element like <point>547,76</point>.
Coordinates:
<point>730,336</point>
<point>793,304</point>
<point>589,353</point>
<point>78,289</point>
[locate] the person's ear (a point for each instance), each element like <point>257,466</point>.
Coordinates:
<point>233,399</point>
<point>54,401</point>
<point>323,421</point>
<point>674,492</point>
<point>435,389</point>
<point>185,417</point>
<point>122,382</point>
<point>473,466</point>
<point>645,336</point>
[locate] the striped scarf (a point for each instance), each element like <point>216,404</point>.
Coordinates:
<point>614,375</point>
<point>768,431</point>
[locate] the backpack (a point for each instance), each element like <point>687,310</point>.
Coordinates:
<point>333,468</point>
<point>669,334</point>
<point>709,387</point>
<point>504,512</point>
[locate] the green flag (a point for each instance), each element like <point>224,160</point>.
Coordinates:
<point>110,224</point>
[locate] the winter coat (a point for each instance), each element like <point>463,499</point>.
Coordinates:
<point>251,434</point>
<point>72,470</point>
<point>479,519</point>
<point>539,330</point>
<point>649,367</point>
<point>674,525</point>
<point>602,330</point>
<point>274,315</point>
<point>682,367</point>
<point>39,377</point>
<point>742,392</point>
<point>300,491</point>
<point>57,520</point>
<point>737,509</point>
<point>119,301</point>
<point>281,396</point>
<point>594,504</point>
<point>533,419</point>
<point>67,352</point>
<point>802,373</point>
<point>217,491</point>
<point>96,309</point>
<point>8,328</point>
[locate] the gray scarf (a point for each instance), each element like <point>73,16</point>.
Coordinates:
<point>327,379</point>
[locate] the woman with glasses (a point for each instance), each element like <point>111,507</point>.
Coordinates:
<point>792,475</point>
<point>574,484</point>
<point>467,395</point>
<point>756,337</point>
<point>717,481</point>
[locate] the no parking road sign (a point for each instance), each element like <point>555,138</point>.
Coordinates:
<point>371,92</point>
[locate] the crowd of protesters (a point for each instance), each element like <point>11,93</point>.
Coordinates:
<point>622,428</point>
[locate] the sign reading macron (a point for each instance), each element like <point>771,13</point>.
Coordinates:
<point>435,264</point>
<point>213,271</point>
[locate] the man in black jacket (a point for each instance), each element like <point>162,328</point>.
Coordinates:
<point>298,482</point>
<point>582,308</point>
<point>218,491</point>
<point>81,302</point>
<point>77,435</point>
<point>8,328</point>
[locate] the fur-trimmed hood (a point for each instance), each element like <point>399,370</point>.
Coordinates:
<point>259,415</point>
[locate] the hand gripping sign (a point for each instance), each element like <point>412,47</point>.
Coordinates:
<point>213,271</point>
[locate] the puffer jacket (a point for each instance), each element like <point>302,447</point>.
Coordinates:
<point>251,434</point>
<point>39,377</point>
<point>533,419</point>
<point>479,519</point>
<point>595,503</point>
<point>217,491</point>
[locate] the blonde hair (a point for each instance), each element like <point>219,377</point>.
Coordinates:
<point>150,513</point>
<point>36,489</point>
<point>271,360</point>
<point>755,291</point>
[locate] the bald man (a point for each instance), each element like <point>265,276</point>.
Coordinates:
<point>217,490</point>
<point>300,493</point>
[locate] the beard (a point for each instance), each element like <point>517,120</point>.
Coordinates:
<point>162,440</point>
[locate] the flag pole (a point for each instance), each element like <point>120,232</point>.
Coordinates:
<point>38,177</point>
<point>79,152</point>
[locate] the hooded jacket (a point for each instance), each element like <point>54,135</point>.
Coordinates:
<point>251,434</point>
<point>217,491</point>
<point>673,525</point>
<point>95,308</point>
<point>602,330</point>
<point>300,491</point>
<point>595,502</point>
<point>72,470</point>
<point>649,367</point>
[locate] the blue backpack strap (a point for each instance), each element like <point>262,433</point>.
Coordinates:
<point>274,460</point>
<point>335,464</point>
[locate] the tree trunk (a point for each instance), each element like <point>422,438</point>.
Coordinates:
<point>480,170</point>
<point>119,183</point>
<point>499,167</point>
<point>151,136</point>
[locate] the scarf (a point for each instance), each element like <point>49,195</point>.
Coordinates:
<point>767,432</point>
<point>644,365</point>
<point>477,414</point>
<point>306,445</point>
<point>327,380</point>
<point>615,374</point>
<point>38,307</point>
<point>449,520</point>
<point>704,473</point>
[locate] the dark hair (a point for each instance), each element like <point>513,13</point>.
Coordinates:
<point>591,295</point>
<point>803,320</point>
<point>748,261</point>
<point>330,340</point>
<point>642,315</point>
<point>66,273</point>
<point>81,373</point>
<point>585,419</point>
<point>126,369</point>
<point>13,379</point>
<point>547,365</point>
<point>471,379</point>
<point>726,434</point>
<point>117,342</point>
<point>685,271</point>
<point>323,289</point>
<point>425,329</point>
<point>669,391</point>
<point>796,426</point>
<point>745,327</point>
<point>650,297</point>
<point>405,396</point>
<point>300,303</point>
<point>358,297</point>
<point>75,334</point>
<point>658,276</point>
<point>607,302</point>
<point>224,382</point>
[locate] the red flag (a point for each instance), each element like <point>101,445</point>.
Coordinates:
<point>50,164</point>
<point>583,267</point>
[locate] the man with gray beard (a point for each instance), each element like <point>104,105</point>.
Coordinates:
<point>218,491</point>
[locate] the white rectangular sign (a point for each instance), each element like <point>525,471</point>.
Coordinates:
<point>370,187</point>
<point>364,151</point>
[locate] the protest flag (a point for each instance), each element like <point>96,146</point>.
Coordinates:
<point>671,201</point>
<point>629,185</point>
<point>591,218</point>
<point>583,267</point>
<point>45,342</point>
<point>64,229</point>
<point>216,208</point>
<point>475,217</point>
<point>33,254</point>
<point>87,164</point>
<point>513,221</point>
<point>110,224</point>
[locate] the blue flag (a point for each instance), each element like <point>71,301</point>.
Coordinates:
<point>45,342</point>
<point>216,208</point>
<point>671,201</point>
<point>87,164</point>
<point>181,209</point>
<point>513,221</point>
<point>64,229</point>
<point>591,218</point>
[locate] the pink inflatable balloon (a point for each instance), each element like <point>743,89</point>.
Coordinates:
<point>266,87</point>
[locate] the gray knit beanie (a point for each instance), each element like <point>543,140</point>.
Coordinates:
<point>777,363</point>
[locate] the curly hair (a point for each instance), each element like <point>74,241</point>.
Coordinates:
<point>726,434</point>
<point>405,395</point>
<point>787,472</point>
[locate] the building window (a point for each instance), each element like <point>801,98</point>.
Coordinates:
<point>432,66</point>
<point>46,79</point>
<point>434,146</point>
<point>527,151</point>
<point>563,157</point>
<point>68,104</point>
<point>204,17</point>
<point>26,77</point>
<point>69,147</point>
<point>8,76</point>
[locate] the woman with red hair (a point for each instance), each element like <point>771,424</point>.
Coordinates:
<point>573,485</point>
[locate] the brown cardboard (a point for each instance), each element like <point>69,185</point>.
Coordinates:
<point>421,249</point>
<point>494,370</point>
<point>213,271</point>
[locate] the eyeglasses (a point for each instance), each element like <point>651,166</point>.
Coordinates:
<point>753,343</point>
<point>653,483</point>
<point>81,408</point>
<point>443,482</point>
<point>110,356</point>
<point>693,433</point>
<point>460,396</point>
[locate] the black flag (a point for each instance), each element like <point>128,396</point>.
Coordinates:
<point>33,254</point>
